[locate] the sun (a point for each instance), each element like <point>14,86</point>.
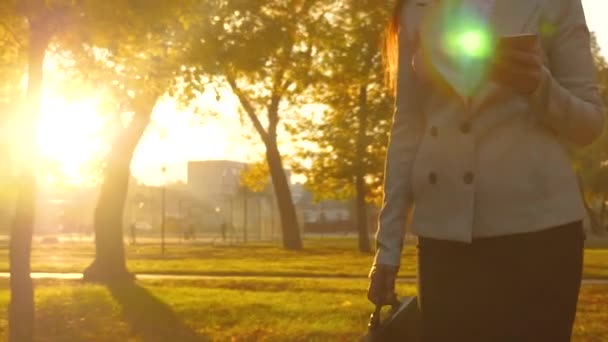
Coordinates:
<point>69,137</point>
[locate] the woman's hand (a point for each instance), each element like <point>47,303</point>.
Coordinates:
<point>518,69</point>
<point>381,289</point>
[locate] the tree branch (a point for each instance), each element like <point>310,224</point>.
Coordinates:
<point>12,34</point>
<point>248,107</point>
<point>273,115</point>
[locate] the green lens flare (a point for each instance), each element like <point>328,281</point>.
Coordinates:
<point>462,42</point>
<point>470,43</point>
<point>473,43</point>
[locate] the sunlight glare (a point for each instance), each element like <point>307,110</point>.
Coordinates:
<point>69,135</point>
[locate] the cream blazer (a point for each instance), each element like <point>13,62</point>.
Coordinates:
<point>497,164</point>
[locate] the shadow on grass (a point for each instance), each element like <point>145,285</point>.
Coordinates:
<point>151,319</point>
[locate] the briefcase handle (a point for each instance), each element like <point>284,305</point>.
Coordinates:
<point>374,318</point>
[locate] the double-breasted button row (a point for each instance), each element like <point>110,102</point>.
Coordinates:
<point>434,132</point>
<point>465,128</point>
<point>432,178</point>
<point>468,178</point>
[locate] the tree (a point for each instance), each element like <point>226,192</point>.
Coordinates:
<point>591,162</point>
<point>263,51</point>
<point>40,21</point>
<point>13,64</point>
<point>29,26</point>
<point>132,51</point>
<point>254,179</point>
<point>12,67</point>
<point>350,136</point>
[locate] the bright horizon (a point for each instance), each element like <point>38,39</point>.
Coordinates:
<point>70,131</point>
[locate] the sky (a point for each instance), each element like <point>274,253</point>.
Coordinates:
<point>174,137</point>
<point>596,12</point>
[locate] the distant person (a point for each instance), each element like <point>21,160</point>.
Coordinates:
<point>223,228</point>
<point>81,231</point>
<point>133,227</point>
<point>190,232</point>
<point>479,146</point>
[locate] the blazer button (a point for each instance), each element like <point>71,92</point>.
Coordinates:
<point>434,132</point>
<point>469,177</point>
<point>465,127</point>
<point>432,178</point>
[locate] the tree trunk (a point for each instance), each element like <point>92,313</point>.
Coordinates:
<point>593,221</point>
<point>364,241</point>
<point>21,315</point>
<point>360,188</point>
<point>109,265</point>
<point>21,307</point>
<point>245,237</point>
<point>287,211</point>
<point>163,216</point>
<point>603,212</point>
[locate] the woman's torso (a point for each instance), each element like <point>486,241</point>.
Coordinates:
<point>485,165</point>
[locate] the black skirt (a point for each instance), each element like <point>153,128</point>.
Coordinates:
<point>514,288</point>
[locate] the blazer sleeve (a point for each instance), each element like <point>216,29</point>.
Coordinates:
<point>408,125</point>
<point>568,99</point>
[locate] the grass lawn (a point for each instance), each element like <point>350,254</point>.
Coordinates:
<point>321,257</point>
<point>229,310</point>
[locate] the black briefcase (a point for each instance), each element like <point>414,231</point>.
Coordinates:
<point>402,323</point>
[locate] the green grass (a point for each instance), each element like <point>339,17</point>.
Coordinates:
<point>229,310</point>
<point>321,257</point>
<point>596,263</point>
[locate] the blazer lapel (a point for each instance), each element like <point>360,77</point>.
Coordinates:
<point>510,17</point>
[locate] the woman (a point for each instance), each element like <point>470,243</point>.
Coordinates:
<point>498,211</point>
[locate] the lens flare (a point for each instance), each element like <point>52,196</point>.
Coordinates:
<point>474,43</point>
<point>466,44</point>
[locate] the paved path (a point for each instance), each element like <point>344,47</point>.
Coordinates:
<point>76,276</point>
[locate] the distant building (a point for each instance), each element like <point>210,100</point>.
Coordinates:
<point>210,180</point>
<point>144,206</point>
<point>248,215</point>
<point>65,210</point>
<point>213,196</point>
